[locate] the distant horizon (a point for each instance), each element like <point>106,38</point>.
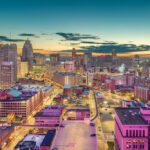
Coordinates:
<point>63,24</point>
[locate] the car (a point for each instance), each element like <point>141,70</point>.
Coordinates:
<point>55,148</point>
<point>92,124</point>
<point>93,134</point>
<point>61,125</point>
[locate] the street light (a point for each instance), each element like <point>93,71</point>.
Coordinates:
<point>105,102</point>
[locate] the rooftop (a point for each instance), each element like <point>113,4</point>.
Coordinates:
<point>130,116</point>
<point>75,135</point>
<point>32,141</point>
<point>49,138</point>
<point>67,73</point>
<point>78,109</point>
<point>67,86</point>
<point>7,63</point>
<point>50,111</point>
<point>21,92</point>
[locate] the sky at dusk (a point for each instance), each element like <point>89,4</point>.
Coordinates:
<point>64,24</point>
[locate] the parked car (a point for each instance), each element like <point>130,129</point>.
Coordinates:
<point>55,148</point>
<point>93,134</point>
<point>92,124</point>
<point>61,125</point>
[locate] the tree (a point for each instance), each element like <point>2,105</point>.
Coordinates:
<point>110,145</point>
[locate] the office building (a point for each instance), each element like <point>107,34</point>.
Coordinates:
<point>8,53</point>
<point>27,54</point>
<point>74,54</point>
<point>114,54</point>
<point>78,113</point>
<point>22,68</point>
<point>69,66</point>
<point>142,92</point>
<point>64,78</point>
<point>39,59</point>
<point>132,128</point>
<point>54,59</point>
<point>37,141</point>
<point>7,75</point>
<point>48,116</point>
<point>21,100</point>
<point>87,59</point>
<point>142,81</point>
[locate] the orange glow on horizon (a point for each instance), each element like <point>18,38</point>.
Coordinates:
<point>43,51</point>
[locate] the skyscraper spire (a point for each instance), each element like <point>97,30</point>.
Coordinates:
<point>27,53</point>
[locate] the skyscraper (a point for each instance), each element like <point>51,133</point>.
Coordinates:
<point>7,75</point>
<point>27,54</point>
<point>74,54</point>
<point>114,54</point>
<point>8,53</point>
<point>87,59</point>
<point>54,58</point>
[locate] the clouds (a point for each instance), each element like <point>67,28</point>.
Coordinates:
<point>109,43</point>
<point>121,48</point>
<point>29,35</point>
<point>89,42</point>
<point>6,39</point>
<point>76,36</point>
<point>45,34</point>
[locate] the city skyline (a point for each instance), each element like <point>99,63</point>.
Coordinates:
<point>74,75</point>
<point>63,24</point>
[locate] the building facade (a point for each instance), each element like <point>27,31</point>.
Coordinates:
<point>132,128</point>
<point>7,75</point>
<point>48,116</point>
<point>64,78</point>
<point>8,53</point>
<point>27,54</point>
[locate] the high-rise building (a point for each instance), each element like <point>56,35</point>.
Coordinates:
<point>114,54</point>
<point>79,61</point>
<point>87,59</point>
<point>69,66</point>
<point>136,59</point>
<point>22,68</point>
<point>54,58</point>
<point>8,53</point>
<point>7,75</point>
<point>27,54</point>
<point>74,54</point>
<point>39,59</point>
<point>65,78</point>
